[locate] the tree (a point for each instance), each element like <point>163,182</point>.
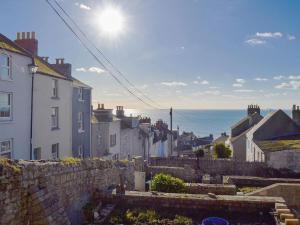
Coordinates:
<point>222,151</point>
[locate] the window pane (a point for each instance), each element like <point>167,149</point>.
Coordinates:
<point>5,105</point>
<point>4,72</point>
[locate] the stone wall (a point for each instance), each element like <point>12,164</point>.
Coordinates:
<point>185,173</point>
<point>218,189</point>
<point>54,192</point>
<point>220,167</point>
<point>245,181</point>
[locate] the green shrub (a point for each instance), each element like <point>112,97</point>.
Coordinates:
<point>222,151</point>
<point>182,220</point>
<point>166,183</point>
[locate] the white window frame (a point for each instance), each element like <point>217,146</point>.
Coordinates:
<point>80,151</point>
<point>54,114</point>
<point>99,139</point>
<point>55,154</point>
<point>6,151</point>
<point>80,94</point>
<point>54,88</point>
<point>10,95</point>
<point>80,121</point>
<point>6,67</point>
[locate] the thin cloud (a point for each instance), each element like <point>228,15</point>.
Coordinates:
<point>91,70</point>
<point>278,77</point>
<point>212,92</point>
<point>205,82</point>
<point>255,41</point>
<point>240,80</point>
<point>260,79</point>
<point>244,90</point>
<point>82,6</point>
<point>195,82</point>
<point>173,84</point>
<point>294,77</point>
<point>292,85</point>
<point>237,85</point>
<point>269,35</point>
<point>290,37</point>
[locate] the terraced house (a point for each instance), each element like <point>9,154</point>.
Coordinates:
<point>45,112</point>
<point>15,100</point>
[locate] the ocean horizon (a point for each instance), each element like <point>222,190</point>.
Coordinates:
<point>200,121</point>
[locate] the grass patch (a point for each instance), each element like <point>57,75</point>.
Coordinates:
<point>70,160</point>
<point>277,145</point>
<point>247,190</point>
<point>6,163</point>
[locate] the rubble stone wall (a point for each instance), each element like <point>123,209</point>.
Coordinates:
<point>42,193</point>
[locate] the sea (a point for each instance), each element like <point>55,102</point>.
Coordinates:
<point>201,122</point>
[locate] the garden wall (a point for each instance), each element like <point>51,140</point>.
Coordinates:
<point>246,181</point>
<point>220,166</point>
<point>54,192</point>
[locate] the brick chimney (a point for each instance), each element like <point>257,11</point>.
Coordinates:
<point>253,109</point>
<point>296,114</point>
<point>64,68</point>
<point>120,111</point>
<point>27,41</point>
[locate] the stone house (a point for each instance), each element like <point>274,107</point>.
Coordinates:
<point>15,100</point>
<point>275,140</point>
<point>237,140</point>
<point>106,133</point>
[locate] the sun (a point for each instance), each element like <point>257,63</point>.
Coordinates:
<point>111,21</point>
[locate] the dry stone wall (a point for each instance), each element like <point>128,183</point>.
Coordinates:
<point>42,193</point>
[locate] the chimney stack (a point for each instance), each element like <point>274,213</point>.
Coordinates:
<point>64,68</point>
<point>120,111</point>
<point>27,41</point>
<point>296,114</point>
<point>253,109</point>
<point>45,58</point>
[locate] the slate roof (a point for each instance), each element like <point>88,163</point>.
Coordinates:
<point>9,45</point>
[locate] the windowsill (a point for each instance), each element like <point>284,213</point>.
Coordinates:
<point>9,80</point>
<point>81,131</point>
<point>55,98</point>
<point>81,100</point>
<point>6,121</point>
<point>55,128</point>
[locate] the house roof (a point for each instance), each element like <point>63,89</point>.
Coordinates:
<point>233,139</point>
<point>278,145</point>
<point>9,45</point>
<point>80,83</point>
<point>46,69</point>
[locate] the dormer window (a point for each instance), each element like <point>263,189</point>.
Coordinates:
<point>5,68</point>
<point>80,94</point>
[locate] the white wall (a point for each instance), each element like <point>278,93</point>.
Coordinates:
<point>289,159</point>
<point>43,136</point>
<point>115,128</point>
<point>131,143</point>
<point>18,128</point>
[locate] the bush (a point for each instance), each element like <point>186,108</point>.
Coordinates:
<point>199,152</point>
<point>70,160</point>
<point>182,220</point>
<point>166,183</point>
<point>221,151</point>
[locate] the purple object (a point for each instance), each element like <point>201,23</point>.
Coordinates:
<point>214,221</point>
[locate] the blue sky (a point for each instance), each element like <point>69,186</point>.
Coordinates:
<point>182,53</point>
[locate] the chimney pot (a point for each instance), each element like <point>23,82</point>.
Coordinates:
<point>28,35</point>
<point>98,106</point>
<point>33,35</point>
<point>297,107</point>
<point>57,61</point>
<point>102,106</point>
<point>18,36</point>
<point>23,35</point>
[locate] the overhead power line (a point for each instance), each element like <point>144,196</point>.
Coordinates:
<point>102,54</point>
<point>97,59</point>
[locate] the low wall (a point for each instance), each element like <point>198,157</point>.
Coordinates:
<point>246,181</point>
<point>289,192</point>
<point>54,192</point>
<point>214,167</point>
<point>249,204</point>
<point>218,189</point>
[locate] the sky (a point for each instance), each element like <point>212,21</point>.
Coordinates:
<point>190,54</point>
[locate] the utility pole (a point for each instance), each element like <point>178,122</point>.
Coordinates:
<point>171,124</point>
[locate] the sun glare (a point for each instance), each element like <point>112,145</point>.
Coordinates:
<point>111,21</point>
